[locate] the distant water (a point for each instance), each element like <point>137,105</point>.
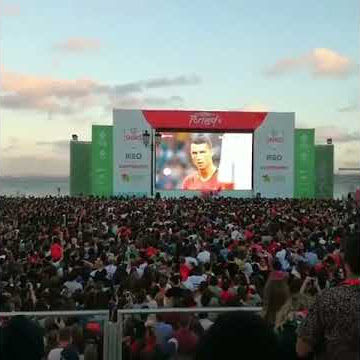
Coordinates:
<point>42,186</point>
<point>35,186</point>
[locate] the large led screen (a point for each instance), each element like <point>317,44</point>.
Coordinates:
<point>204,161</point>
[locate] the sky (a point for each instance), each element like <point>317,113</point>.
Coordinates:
<point>65,65</point>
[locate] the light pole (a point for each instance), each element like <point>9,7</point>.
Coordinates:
<point>149,138</point>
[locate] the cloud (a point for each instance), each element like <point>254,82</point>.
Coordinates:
<point>132,102</point>
<point>58,145</point>
<point>350,164</point>
<point>255,107</point>
<point>347,155</point>
<point>59,96</point>
<point>78,45</point>
<point>349,108</point>
<point>321,62</point>
<point>15,147</point>
<point>34,166</point>
<point>9,9</point>
<point>157,83</point>
<point>339,135</point>
<point>12,143</point>
<point>176,81</point>
<point>23,102</point>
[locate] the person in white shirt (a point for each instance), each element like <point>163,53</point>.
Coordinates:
<point>110,268</point>
<point>72,285</point>
<point>235,234</point>
<point>140,270</point>
<point>191,261</point>
<point>64,343</point>
<point>195,280</point>
<point>204,256</point>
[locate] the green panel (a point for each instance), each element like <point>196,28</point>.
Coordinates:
<point>80,168</point>
<point>304,163</point>
<point>102,160</point>
<point>324,169</point>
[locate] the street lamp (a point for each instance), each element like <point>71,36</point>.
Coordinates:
<point>146,138</point>
<point>153,140</point>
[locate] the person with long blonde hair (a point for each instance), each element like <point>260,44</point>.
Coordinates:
<point>276,293</point>
<point>288,319</point>
<point>294,308</point>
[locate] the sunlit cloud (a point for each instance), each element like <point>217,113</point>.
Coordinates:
<point>338,135</point>
<point>320,62</point>
<point>68,97</point>
<point>78,45</point>
<point>9,9</point>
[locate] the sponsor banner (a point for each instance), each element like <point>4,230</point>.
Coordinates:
<point>102,160</point>
<point>304,163</point>
<point>204,120</point>
<point>274,156</point>
<point>132,172</point>
<point>324,171</point>
<point>80,168</point>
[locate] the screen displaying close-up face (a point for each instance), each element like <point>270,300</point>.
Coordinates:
<point>204,161</point>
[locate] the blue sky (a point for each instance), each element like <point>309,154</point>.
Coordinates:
<point>262,55</point>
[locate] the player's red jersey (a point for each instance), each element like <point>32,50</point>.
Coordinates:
<point>194,182</point>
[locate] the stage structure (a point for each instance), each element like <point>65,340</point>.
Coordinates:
<point>184,153</point>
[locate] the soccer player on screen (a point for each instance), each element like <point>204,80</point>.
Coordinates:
<point>205,178</point>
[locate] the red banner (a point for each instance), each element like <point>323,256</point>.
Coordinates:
<point>204,120</point>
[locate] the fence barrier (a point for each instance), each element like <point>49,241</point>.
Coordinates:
<point>113,331</point>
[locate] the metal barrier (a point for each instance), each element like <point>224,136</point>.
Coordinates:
<point>113,331</point>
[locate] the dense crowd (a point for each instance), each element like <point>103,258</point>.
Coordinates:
<point>91,253</point>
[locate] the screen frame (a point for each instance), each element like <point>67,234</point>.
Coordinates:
<point>206,131</point>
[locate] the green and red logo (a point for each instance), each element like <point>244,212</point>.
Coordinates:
<point>125,177</point>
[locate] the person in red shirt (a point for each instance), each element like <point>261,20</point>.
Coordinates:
<point>56,250</point>
<point>151,251</point>
<point>206,176</point>
<point>186,338</point>
<point>184,270</point>
<point>226,294</point>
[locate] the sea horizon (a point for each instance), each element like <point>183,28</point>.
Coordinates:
<point>40,186</point>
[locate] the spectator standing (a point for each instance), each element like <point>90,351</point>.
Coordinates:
<point>22,339</point>
<point>276,293</point>
<point>332,328</point>
<point>238,333</point>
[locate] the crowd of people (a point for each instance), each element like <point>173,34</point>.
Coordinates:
<point>285,256</point>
